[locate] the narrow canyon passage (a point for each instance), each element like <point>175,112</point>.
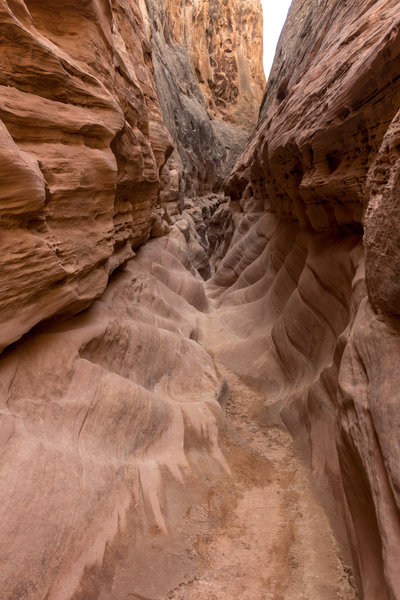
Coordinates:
<point>161,455</point>
<point>199,301</point>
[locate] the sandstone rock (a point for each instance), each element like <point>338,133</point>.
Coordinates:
<point>170,179</point>
<point>83,141</point>
<point>110,419</point>
<point>84,145</point>
<point>309,328</point>
<point>109,422</point>
<point>225,42</point>
<point>381,237</point>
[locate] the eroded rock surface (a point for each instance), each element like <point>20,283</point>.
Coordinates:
<point>83,141</point>
<point>309,287</point>
<point>108,423</point>
<point>116,459</point>
<point>208,68</point>
<point>87,166</point>
<point>128,452</point>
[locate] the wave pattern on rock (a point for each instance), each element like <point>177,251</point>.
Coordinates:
<point>309,285</point>
<point>109,423</point>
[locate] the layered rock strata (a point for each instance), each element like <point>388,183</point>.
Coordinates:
<point>309,286</point>
<point>100,464</point>
<point>87,169</point>
<point>83,142</point>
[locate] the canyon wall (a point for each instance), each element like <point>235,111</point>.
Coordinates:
<point>84,144</point>
<point>309,287</point>
<point>109,419</point>
<point>209,73</point>
<point>109,423</point>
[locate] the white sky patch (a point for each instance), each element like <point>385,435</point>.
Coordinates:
<point>274,14</point>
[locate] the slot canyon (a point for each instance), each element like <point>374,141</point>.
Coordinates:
<point>200,334</point>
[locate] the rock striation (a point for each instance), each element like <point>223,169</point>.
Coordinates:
<point>112,427</point>
<point>83,142</point>
<point>309,286</point>
<point>109,419</point>
<point>107,430</point>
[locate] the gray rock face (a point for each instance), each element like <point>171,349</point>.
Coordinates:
<point>209,81</point>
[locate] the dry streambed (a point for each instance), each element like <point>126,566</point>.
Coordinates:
<point>275,541</point>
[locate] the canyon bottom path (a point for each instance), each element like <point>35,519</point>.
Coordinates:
<point>275,542</point>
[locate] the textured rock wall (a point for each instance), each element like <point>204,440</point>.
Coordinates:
<point>82,145</point>
<point>209,73</point>
<point>225,43</point>
<point>310,284</point>
<point>109,419</point>
<point>109,422</point>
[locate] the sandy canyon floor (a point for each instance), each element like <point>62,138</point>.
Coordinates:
<point>275,542</point>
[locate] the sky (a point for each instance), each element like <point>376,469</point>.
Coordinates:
<point>274,14</point>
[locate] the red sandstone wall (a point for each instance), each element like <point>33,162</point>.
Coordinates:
<point>83,142</point>
<point>312,288</point>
